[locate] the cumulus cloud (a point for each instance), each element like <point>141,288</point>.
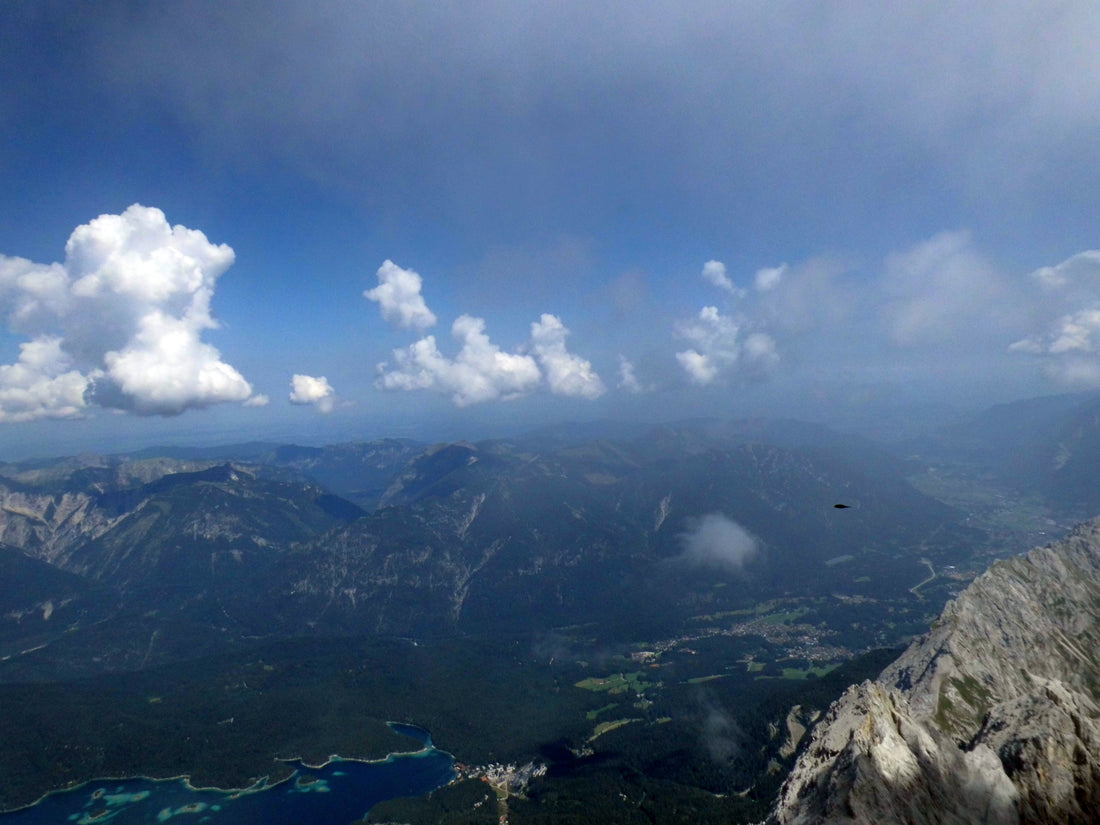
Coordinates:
<point>716,345</point>
<point>1069,344</point>
<point>718,542</point>
<point>40,384</point>
<point>566,373</point>
<point>715,273</point>
<point>305,389</point>
<point>1075,333</point>
<point>718,348</point>
<point>398,296</point>
<point>480,372</point>
<point>165,368</point>
<point>119,324</point>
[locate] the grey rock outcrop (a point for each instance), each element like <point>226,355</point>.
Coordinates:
<point>991,717</point>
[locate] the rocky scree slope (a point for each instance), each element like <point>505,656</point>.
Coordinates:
<point>991,717</point>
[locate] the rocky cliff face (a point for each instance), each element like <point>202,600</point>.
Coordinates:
<point>47,525</point>
<point>991,717</point>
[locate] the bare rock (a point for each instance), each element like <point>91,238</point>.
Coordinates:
<point>991,717</point>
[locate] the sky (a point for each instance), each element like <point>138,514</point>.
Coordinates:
<point>314,222</point>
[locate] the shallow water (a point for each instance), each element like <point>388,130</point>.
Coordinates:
<point>336,793</point>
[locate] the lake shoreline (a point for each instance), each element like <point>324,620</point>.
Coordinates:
<point>263,783</point>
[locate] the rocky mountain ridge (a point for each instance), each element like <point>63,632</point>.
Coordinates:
<point>522,534</point>
<point>992,717</point>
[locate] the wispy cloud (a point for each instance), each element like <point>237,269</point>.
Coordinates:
<point>939,287</point>
<point>721,734</point>
<point>719,542</point>
<point>628,380</point>
<point>769,277</point>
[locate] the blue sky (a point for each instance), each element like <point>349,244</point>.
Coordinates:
<point>637,210</point>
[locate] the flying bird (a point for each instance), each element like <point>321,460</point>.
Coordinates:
<point>842,506</point>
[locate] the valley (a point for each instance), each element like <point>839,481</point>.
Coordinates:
<point>660,619</point>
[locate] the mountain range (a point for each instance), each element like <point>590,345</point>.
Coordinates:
<point>513,536</point>
<point>670,609</point>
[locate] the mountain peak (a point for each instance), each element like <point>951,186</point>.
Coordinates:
<point>990,717</point>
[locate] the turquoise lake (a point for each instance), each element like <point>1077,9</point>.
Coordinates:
<point>337,793</point>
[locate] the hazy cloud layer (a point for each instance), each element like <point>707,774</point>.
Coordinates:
<point>932,291</point>
<point>118,324</point>
<point>974,97</point>
<point>718,542</point>
<point>305,389</point>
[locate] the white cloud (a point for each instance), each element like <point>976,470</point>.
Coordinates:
<point>718,542</point>
<point>718,349</point>
<point>305,389</point>
<point>566,374</point>
<point>628,380</point>
<point>398,296</point>
<point>119,323</point>
<point>767,279</point>
<point>480,372</point>
<point>40,384</point>
<point>165,368</point>
<point>715,273</point>
<point>1084,267</point>
<point>1069,344</point>
<point>700,368</point>
<point>32,295</point>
